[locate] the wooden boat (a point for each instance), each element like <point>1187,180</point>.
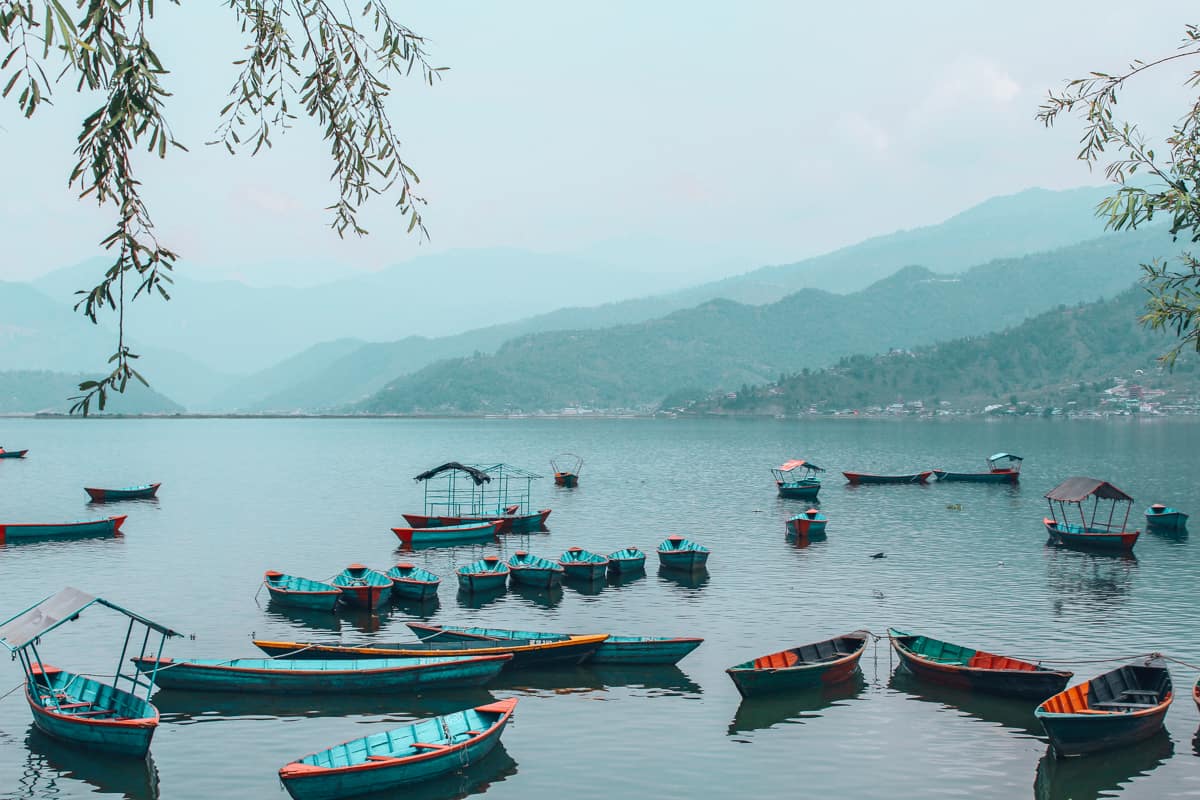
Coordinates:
<point>1001,468</point>
<point>798,479</point>
<point>412,582</point>
<point>627,562</point>
<point>109,526</point>
<point>1160,516</point>
<point>679,553</point>
<point>567,467</point>
<point>531,570</point>
<point>75,708</point>
<point>614,649</point>
<point>12,453</point>
<point>510,522</point>
<point>481,531</point>
<point>524,652</point>
<point>1111,710</point>
<point>485,575</point>
<point>964,668</point>
<point>491,492</point>
<point>301,592</point>
<point>128,493</point>
<point>809,525</point>
<point>384,761</point>
<point>1196,693</point>
<point>810,665</point>
<point>583,565</point>
<point>290,675</point>
<point>363,587</point>
<point>1089,533</point>
<point>864,478</point>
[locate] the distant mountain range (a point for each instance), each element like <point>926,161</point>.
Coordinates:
<point>1055,358</point>
<point>725,344</point>
<point>31,391</point>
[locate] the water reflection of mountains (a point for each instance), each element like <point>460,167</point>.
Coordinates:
<point>1099,775</point>
<point>1012,713</point>
<point>49,760</point>
<point>1081,577</point>
<point>796,708</point>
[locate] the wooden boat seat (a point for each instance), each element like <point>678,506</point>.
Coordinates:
<point>95,712</point>
<point>69,706</point>
<point>1122,705</point>
<point>1135,693</point>
<point>429,745</point>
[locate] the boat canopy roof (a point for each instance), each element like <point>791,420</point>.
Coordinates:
<point>57,610</point>
<point>1075,490</point>
<point>478,475</point>
<point>1005,457</point>
<point>797,463</point>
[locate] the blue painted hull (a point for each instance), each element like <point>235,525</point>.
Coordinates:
<point>799,490</point>
<point>627,566</point>
<point>66,530</point>
<point>643,650</point>
<point>683,560</point>
<point>1076,537</point>
<point>483,582</point>
<point>286,676</point>
<point>1072,734</point>
<point>77,722</point>
<point>412,590</point>
<point>585,571</point>
<point>977,477</point>
<point>13,453</point>
<point>321,601</point>
<point>128,493</point>
<point>1168,520</point>
<point>543,578</point>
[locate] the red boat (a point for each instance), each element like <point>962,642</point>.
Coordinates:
<point>860,478</point>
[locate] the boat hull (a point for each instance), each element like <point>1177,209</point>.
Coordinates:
<point>322,601</point>
<point>113,495</point>
<point>483,581</point>
<point>627,566</point>
<point>567,480</point>
<point>67,530</point>
<point>999,476</point>
<point>13,453</point>
<point>1168,521</point>
<point>984,672</point>
<point>643,650</point>
<point>584,571</point>
<point>1120,541</point>
<point>806,528</point>
<point>448,534</point>
<point>414,590</point>
<point>118,736</point>
<point>799,490</point>
<point>1074,735</point>
<point>776,673</point>
<point>541,577</point>
<point>683,560</point>
<point>304,782</point>
<point>354,676</point>
<point>523,653</point>
<point>863,478</point>
<point>509,523</point>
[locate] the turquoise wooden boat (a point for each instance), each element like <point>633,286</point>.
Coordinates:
<point>614,650</point>
<point>798,479</point>
<point>412,582</point>
<point>1112,710</point>
<point>583,565</point>
<point>629,561</point>
<point>109,526</point>
<point>1164,518</point>
<point>285,676</point>
<point>383,761</point>
<point>975,670</point>
<point>681,554</point>
<point>531,570</point>
<point>524,652</point>
<point>12,453</point>
<point>289,590</point>
<point>488,574</point>
<point>465,533</point>
<point>99,717</point>
<point>143,492</point>
<point>1001,468</point>
<point>809,525</point>
<point>808,666</point>
<point>566,467</point>
<point>1095,531</point>
<point>363,587</point>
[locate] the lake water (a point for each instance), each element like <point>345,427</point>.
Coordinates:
<point>309,497</point>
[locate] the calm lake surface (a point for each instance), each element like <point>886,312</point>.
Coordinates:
<point>309,497</point>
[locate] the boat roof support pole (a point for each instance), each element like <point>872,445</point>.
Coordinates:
<point>1128,508</point>
<point>1112,510</point>
<point>44,682</point>
<point>121,658</point>
<point>154,673</point>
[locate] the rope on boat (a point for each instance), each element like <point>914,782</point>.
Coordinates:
<point>1179,661</point>
<point>288,654</point>
<point>10,691</point>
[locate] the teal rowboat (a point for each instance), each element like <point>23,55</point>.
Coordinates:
<point>614,650</point>
<point>284,676</point>
<point>412,582</point>
<point>100,717</point>
<point>531,570</point>
<point>383,761</point>
<point>808,666</point>
<point>289,590</point>
<point>583,565</point>
<point>12,453</point>
<point>109,526</point>
<point>1164,518</point>
<point>142,492</point>
<point>524,652</point>
<point>482,531</point>
<point>488,574</point>
<point>363,587</point>
<point>681,554</point>
<point>627,562</point>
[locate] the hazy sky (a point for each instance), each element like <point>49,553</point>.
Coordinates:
<point>773,130</point>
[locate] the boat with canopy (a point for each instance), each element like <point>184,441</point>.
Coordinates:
<point>567,467</point>
<point>1094,531</point>
<point>465,493</point>
<point>1001,468</point>
<point>798,479</point>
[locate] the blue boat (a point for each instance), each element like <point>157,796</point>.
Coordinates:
<point>383,761</point>
<point>1091,532</point>
<point>583,565</point>
<point>289,590</point>
<point>101,717</point>
<point>465,533</point>
<point>142,492</point>
<point>809,525</point>
<point>531,570</point>
<point>412,582</point>
<point>12,453</point>
<point>807,666</point>
<point>285,676</point>
<point>488,574</point>
<point>1001,468</point>
<point>1164,518</point>
<point>1111,710</point>
<point>614,650</point>
<point>629,561</point>
<point>109,526</point>
<point>681,554</point>
<point>798,479</point>
<point>363,587</point>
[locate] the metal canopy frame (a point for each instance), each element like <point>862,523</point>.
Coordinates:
<point>1014,462</point>
<point>575,461</point>
<point>457,493</point>
<point>785,473</point>
<point>22,633</point>
<point>1067,493</point>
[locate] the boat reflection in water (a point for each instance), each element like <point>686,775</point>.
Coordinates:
<point>1085,581</point>
<point>49,760</point>
<point>305,617</point>
<point>586,586</point>
<point>688,580</point>
<point>618,579</point>
<point>792,708</point>
<point>538,595</point>
<point>658,680</point>
<point>481,599</point>
<point>420,609</point>
<point>1099,775</point>
<point>182,707</point>
<point>497,767</point>
<point>1007,712</point>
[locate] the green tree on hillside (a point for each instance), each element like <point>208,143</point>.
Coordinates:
<point>1173,191</point>
<point>300,57</point>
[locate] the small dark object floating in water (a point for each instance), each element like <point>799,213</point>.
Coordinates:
<point>879,555</point>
